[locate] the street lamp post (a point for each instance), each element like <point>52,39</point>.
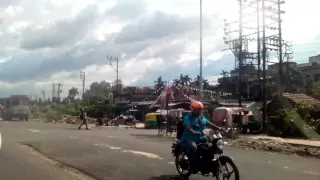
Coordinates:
<point>201,79</point>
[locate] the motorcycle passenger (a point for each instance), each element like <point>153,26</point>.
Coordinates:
<point>193,125</point>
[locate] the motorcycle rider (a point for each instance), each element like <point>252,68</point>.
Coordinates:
<point>193,125</point>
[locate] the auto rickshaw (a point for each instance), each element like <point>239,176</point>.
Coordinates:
<point>151,120</point>
<point>222,116</point>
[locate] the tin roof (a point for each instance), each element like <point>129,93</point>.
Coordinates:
<point>301,97</point>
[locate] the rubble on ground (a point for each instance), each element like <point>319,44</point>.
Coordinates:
<point>275,146</point>
<point>74,120</point>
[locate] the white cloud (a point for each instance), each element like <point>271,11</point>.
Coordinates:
<point>50,41</point>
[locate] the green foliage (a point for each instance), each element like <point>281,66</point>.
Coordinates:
<point>310,113</point>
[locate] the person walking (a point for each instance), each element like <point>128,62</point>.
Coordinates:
<point>83,116</point>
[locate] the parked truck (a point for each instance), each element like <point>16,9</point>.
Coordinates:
<point>16,107</point>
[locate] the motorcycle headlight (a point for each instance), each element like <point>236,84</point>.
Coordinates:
<point>220,144</point>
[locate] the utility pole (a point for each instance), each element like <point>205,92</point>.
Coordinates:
<point>59,91</point>
<point>240,55</point>
<point>280,48</point>
<point>201,78</point>
<point>272,42</point>
<point>264,56</point>
<point>83,78</point>
<point>239,34</point>
<point>44,95</point>
<point>110,58</point>
<point>258,43</point>
<point>53,92</point>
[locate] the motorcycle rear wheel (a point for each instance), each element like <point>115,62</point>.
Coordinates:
<point>229,162</point>
<point>179,158</point>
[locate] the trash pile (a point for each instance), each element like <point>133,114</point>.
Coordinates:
<point>275,146</point>
<point>76,120</point>
<point>69,119</point>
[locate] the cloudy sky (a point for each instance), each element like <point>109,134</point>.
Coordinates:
<point>50,41</point>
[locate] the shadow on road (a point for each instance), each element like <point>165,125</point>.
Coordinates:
<point>167,177</point>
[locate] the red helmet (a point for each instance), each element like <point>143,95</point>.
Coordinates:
<point>196,105</point>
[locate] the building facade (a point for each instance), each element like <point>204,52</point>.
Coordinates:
<point>311,70</point>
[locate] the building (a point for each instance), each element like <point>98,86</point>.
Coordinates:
<point>311,70</point>
<point>274,68</point>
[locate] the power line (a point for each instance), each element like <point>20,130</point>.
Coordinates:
<point>115,68</point>
<point>249,30</point>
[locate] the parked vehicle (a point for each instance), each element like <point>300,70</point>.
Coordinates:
<point>15,107</point>
<point>151,120</point>
<point>212,160</point>
<point>19,112</point>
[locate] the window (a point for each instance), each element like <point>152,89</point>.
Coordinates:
<point>316,77</point>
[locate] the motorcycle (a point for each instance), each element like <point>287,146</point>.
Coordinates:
<point>212,161</point>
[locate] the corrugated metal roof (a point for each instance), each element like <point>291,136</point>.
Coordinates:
<point>301,97</point>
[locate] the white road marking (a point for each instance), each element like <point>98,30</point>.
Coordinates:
<point>170,162</point>
<point>115,148</point>
<point>34,130</point>
<point>311,173</point>
<point>111,147</point>
<point>146,154</point>
<point>73,137</point>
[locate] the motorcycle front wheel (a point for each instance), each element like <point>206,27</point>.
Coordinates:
<point>228,170</point>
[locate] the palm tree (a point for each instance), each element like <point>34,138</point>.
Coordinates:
<point>224,74</point>
<point>159,83</point>
<point>206,84</point>
<point>176,82</point>
<point>184,80</point>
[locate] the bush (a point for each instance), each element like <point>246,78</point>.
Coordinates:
<point>310,114</point>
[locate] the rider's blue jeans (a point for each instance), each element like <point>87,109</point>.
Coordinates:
<point>190,147</point>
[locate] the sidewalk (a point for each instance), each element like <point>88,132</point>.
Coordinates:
<point>301,142</point>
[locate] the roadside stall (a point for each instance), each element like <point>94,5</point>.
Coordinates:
<point>248,121</point>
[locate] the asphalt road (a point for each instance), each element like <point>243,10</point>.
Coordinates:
<point>63,152</point>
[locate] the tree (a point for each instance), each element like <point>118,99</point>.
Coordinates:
<point>205,82</point>
<point>316,93</point>
<point>224,74</point>
<point>114,86</point>
<point>184,80</point>
<point>159,83</point>
<point>129,90</point>
<point>102,88</point>
<point>197,80</point>
<point>176,82</point>
<point>73,92</point>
